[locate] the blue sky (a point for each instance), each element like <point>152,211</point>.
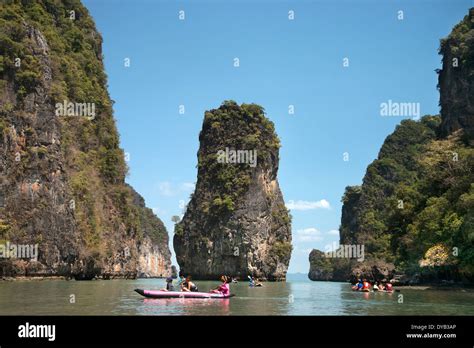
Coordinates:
<point>283,62</point>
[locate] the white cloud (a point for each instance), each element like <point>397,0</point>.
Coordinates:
<point>334,232</point>
<point>308,205</point>
<point>310,234</point>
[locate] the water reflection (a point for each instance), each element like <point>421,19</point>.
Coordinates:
<point>174,306</point>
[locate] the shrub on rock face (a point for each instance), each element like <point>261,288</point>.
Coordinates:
<point>438,255</point>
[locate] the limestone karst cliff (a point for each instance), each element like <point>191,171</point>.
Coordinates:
<point>456,83</point>
<point>414,212</point>
<point>236,222</point>
<point>62,172</point>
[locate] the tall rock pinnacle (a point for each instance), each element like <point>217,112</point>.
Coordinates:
<point>236,222</point>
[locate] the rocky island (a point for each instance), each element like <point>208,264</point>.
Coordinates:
<point>62,172</point>
<point>236,222</point>
<point>414,211</point>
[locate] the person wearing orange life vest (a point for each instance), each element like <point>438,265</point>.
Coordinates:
<point>365,285</point>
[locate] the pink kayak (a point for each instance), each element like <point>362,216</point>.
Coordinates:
<point>179,294</point>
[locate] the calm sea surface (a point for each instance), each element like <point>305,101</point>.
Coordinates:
<point>295,297</point>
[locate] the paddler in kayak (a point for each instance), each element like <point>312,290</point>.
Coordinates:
<point>188,285</point>
<point>253,282</point>
<point>388,287</point>
<point>224,288</point>
<point>181,279</point>
<point>358,286</point>
<point>365,286</point>
<point>169,285</point>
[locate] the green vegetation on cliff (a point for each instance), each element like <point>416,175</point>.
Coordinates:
<point>459,44</point>
<point>414,212</point>
<point>246,128</point>
<point>77,76</point>
<point>51,53</point>
<point>417,195</point>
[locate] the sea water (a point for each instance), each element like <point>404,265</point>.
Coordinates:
<point>294,297</point>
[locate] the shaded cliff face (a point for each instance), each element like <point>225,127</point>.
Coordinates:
<point>414,212</point>
<point>154,256</point>
<point>456,81</point>
<point>350,202</point>
<point>236,222</point>
<point>62,171</point>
